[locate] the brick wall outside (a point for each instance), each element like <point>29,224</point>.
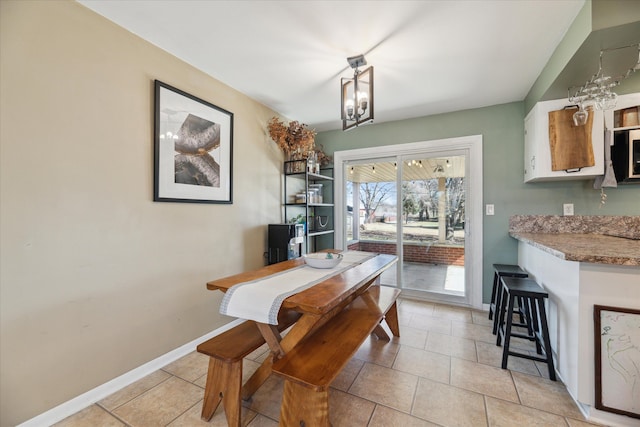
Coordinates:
<point>434,254</point>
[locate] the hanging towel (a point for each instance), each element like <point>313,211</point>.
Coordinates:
<point>609,177</point>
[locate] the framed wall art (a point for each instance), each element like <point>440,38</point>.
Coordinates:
<point>193,149</point>
<point>617,360</point>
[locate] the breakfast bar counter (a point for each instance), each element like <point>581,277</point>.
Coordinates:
<point>581,262</point>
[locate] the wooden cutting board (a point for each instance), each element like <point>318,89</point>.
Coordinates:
<point>570,145</point>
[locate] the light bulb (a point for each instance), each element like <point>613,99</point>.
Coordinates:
<point>349,108</point>
<point>363,100</point>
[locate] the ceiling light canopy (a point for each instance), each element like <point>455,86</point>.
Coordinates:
<point>357,94</point>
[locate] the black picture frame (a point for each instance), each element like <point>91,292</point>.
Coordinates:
<point>193,155</point>
<point>617,360</point>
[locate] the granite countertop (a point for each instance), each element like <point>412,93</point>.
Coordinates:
<point>593,248</point>
<point>595,239</point>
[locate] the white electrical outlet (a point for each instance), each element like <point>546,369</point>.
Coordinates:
<point>490,210</point>
<point>567,209</point>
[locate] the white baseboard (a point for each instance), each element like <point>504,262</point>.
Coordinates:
<point>78,403</point>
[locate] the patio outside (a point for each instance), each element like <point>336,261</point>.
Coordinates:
<point>430,209</point>
<point>428,271</point>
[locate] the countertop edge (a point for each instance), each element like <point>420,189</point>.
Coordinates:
<point>565,251</point>
<point>524,239</point>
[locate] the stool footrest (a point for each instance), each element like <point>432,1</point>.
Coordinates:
<point>523,336</point>
<point>520,325</point>
<point>542,358</point>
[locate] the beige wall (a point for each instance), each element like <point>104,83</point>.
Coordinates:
<point>97,279</point>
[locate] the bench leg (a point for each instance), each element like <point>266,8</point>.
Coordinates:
<point>223,385</point>
<point>391,317</point>
<point>302,406</point>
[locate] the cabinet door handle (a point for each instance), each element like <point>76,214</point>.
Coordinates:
<point>533,163</point>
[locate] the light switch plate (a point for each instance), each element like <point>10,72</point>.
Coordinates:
<point>490,210</point>
<point>567,209</point>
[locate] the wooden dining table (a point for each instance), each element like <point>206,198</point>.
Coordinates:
<point>315,305</point>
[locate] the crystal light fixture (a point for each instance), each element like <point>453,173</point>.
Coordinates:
<point>597,92</point>
<point>357,94</point>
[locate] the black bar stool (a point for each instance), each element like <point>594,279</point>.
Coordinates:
<point>531,296</point>
<point>502,270</point>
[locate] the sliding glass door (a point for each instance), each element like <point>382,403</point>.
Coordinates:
<point>371,209</point>
<point>433,217</point>
<point>414,205</point>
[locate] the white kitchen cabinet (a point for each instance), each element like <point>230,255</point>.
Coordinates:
<point>623,102</point>
<point>537,152</point>
<point>625,147</point>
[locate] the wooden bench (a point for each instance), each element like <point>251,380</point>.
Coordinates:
<point>317,360</point>
<point>224,377</point>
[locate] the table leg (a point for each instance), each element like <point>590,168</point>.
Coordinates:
<point>381,333</point>
<point>301,329</point>
<point>305,325</point>
<point>391,318</point>
<point>272,337</point>
<point>257,379</point>
<point>279,346</point>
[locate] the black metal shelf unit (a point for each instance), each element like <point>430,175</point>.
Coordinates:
<point>308,198</point>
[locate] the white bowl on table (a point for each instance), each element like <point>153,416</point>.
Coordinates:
<point>322,259</point>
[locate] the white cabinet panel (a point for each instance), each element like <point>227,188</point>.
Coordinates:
<point>537,152</point>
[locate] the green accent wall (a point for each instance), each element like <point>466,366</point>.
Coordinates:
<point>502,128</point>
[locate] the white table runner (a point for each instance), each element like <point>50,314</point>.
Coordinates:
<point>260,299</point>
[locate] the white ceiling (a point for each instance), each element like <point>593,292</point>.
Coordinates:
<point>429,57</point>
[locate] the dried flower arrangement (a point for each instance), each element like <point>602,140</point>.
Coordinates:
<point>296,141</point>
<point>323,159</point>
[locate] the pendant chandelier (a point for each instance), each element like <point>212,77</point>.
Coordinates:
<point>597,93</point>
<point>357,95</point>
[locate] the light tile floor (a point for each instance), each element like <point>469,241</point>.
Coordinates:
<point>443,371</point>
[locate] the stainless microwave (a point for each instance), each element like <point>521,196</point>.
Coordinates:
<point>625,155</point>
